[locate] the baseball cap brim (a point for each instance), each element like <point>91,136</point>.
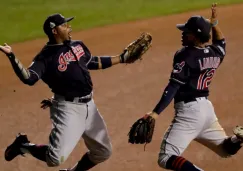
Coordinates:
<point>69,19</point>
<point>181,27</point>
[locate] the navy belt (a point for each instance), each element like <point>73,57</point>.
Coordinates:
<point>77,99</point>
<point>84,99</point>
<point>187,100</point>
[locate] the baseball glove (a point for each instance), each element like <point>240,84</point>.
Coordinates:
<point>142,130</point>
<point>136,49</point>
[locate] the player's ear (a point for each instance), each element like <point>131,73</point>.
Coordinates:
<point>195,38</point>
<point>54,31</point>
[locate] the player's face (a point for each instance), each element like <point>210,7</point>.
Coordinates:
<point>188,38</point>
<point>64,31</point>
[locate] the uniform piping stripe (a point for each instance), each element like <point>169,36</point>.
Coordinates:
<point>221,49</point>
<point>181,164</point>
<point>89,60</point>
<point>34,73</point>
<point>168,133</point>
<point>177,164</point>
<point>177,81</point>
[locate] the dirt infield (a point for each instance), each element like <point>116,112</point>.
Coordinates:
<point>124,93</point>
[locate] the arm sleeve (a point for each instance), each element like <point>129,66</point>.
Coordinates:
<point>37,68</point>
<point>105,62</point>
<point>167,97</point>
<point>27,76</point>
<point>220,46</point>
<point>93,64</point>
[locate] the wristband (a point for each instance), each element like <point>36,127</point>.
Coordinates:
<point>215,23</point>
<point>106,62</point>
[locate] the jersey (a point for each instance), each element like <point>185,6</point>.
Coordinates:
<point>63,67</point>
<point>194,68</point>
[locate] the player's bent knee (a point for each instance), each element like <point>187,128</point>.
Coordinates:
<point>230,147</point>
<point>54,160</point>
<point>162,160</point>
<point>101,156</point>
<point>106,154</point>
<point>51,163</point>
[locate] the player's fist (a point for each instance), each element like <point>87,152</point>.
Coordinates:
<point>6,49</point>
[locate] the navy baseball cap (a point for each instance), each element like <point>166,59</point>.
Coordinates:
<point>53,21</point>
<point>196,24</point>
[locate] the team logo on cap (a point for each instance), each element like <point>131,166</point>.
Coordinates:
<point>52,25</point>
<point>61,15</point>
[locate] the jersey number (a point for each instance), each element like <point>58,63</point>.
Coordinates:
<point>205,79</point>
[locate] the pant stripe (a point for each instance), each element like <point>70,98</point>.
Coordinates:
<point>168,133</point>
<point>181,164</point>
<point>177,161</point>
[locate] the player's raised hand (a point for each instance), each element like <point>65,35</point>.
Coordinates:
<point>214,14</point>
<point>6,49</point>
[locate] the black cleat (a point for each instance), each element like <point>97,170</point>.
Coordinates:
<point>13,150</point>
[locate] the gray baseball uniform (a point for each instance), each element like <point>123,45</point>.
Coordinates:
<point>195,119</point>
<point>73,120</point>
<point>64,68</point>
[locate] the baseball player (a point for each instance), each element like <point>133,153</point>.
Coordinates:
<point>194,66</point>
<point>63,65</point>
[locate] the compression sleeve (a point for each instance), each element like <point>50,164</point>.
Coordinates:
<point>167,97</point>
<point>26,76</point>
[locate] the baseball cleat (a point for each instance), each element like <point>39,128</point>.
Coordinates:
<point>13,150</point>
<point>238,131</point>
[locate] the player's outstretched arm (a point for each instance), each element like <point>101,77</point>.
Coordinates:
<point>133,52</point>
<point>24,75</point>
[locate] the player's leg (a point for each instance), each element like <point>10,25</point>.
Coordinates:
<point>184,128</point>
<point>96,139</point>
<point>215,139</point>
<point>170,152</point>
<point>214,136</point>
<point>68,126</point>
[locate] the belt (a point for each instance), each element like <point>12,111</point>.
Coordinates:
<point>83,99</point>
<point>77,99</point>
<point>191,99</point>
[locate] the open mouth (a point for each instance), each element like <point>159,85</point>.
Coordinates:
<point>182,38</point>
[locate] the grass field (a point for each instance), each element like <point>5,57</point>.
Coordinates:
<point>22,19</point>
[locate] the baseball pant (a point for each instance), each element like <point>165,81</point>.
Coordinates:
<point>71,121</point>
<point>193,121</point>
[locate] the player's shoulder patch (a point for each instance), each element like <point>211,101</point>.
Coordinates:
<point>179,60</point>
<point>178,67</point>
<point>182,57</point>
